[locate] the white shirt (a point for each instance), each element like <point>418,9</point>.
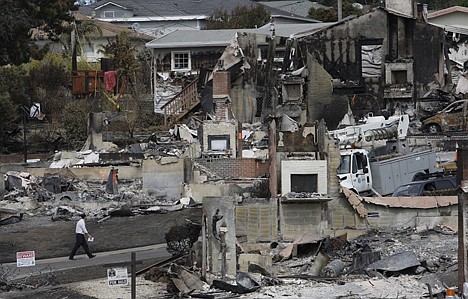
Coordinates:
<point>81,227</point>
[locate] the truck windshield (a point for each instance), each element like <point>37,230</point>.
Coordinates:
<point>345,164</point>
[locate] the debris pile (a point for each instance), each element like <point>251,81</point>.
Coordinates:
<point>63,197</point>
<point>404,262</point>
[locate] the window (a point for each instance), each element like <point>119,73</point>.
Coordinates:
<point>458,108</point>
<point>108,14</point>
<point>345,163</point>
<point>180,61</point>
<point>399,77</point>
<point>444,185</point>
<point>304,183</point>
<point>371,56</point>
<point>218,143</point>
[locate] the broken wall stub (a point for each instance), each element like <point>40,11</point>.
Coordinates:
<point>243,92</point>
<point>236,168</point>
<point>164,180</point>
<point>95,129</point>
<point>257,219</point>
<point>198,191</point>
<point>90,173</point>
<point>428,58</point>
<point>379,216</point>
<point>321,103</point>
<point>244,101</point>
<point>2,181</point>
<point>213,209</point>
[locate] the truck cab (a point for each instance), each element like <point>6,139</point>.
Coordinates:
<point>354,170</point>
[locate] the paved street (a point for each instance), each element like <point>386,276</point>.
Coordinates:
<point>102,258</point>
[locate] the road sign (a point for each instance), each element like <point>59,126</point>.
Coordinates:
<point>25,259</point>
<point>117,276</point>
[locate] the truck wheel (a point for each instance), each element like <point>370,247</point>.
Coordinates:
<point>433,128</point>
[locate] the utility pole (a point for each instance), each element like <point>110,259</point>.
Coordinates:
<point>462,180</point>
<point>25,111</point>
<point>340,10</point>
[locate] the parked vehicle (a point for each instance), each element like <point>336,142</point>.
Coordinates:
<point>454,117</point>
<point>382,176</point>
<point>426,187</point>
<point>379,170</point>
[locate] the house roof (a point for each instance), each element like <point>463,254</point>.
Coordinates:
<point>220,38</point>
<point>164,8</point>
<point>456,25</point>
<point>297,7</point>
<point>111,30</point>
<point>447,11</point>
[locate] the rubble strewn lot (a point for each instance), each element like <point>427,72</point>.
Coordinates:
<point>435,253</point>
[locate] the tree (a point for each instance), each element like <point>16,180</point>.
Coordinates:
<point>48,86</point>
<point>7,109</point>
<point>75,122</point>
<point>19,17</point>
<point>13,94</point>
<point>124,57</point>
<point>331,14</point>
<point>241,17</point>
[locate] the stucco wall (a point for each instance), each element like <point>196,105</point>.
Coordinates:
<point>163,179</point>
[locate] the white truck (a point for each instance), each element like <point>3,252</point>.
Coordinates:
<point>368,168</point>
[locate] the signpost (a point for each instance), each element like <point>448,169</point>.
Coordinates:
<point>124,276</point>
<point>117,276</point>
<point>25,259</point>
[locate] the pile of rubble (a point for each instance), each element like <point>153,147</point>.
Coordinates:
<point>405,263</point>
<point>63,197</point>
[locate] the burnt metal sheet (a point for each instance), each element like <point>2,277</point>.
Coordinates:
<point>363,259</point>
<point>414,202</point>
<point>396,262</point>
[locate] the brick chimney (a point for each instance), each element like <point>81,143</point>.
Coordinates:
<point>221,84</point>
<point>221,95</point>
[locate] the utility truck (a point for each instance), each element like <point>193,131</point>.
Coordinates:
<point>375,157</point>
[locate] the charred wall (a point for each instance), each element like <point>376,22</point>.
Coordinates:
<point>357,53</point>
<point>338,50</point>
<point>428,54</point>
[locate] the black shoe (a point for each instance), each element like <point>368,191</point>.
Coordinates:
<point>93,255</point>
<point>72,258</point>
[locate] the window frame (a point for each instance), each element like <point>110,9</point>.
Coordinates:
<point>225,138</point>
<point>173,63</point>
<point>108,11</point>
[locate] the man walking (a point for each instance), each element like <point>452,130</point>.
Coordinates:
<point>81,232</point>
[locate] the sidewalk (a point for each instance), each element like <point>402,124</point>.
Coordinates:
<point>109,257</point>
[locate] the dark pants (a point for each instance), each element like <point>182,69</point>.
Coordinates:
<point>81,241</point>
